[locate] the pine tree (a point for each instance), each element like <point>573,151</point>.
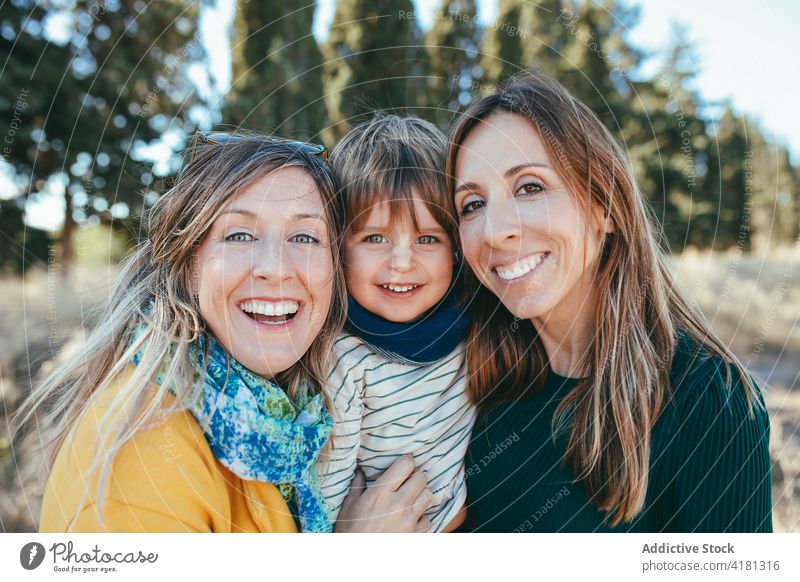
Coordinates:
<point>590,54</point>
<point>668,143</point>
<point>277,71</point>
<point>117,82</point>
<point>453,49</point>
<point>502,54</point>
<point>373,61</point>
<point>582,45</point>
<point>730,175</point>
<point>775,193</point>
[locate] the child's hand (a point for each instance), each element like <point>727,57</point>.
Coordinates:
<point>396,502</point>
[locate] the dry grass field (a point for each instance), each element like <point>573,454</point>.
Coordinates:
<point>752,303</point>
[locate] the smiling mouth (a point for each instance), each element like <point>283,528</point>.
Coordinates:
<point>399,290</point>
<point>270,312</point>
<point>521,267</point>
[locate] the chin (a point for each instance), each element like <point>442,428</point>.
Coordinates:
<point>524,308</point>
<point>267,362</point>
<point>399,317</point>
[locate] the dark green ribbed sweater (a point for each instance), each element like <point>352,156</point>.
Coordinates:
<point>709,465</point>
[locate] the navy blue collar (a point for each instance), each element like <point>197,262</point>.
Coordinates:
<point>428,338</point>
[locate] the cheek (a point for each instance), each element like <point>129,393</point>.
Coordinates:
<point>441,263</point>
<point>348,253</point>
<point>577,237</point>
<point>353,264</point>
<point>210,295</point>
<point>209,281</point>
<point>216,275</point>
<point>352,277</point>
<point>353,261</point>
<point>360,269</point>
<point>224,270</point>
<point>320,281</point>
<point>469,234</point>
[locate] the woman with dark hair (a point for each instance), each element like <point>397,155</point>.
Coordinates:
<point>606,403</point>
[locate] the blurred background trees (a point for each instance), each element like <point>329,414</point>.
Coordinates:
<point>277,71</point>
<point>98,96</point>
<point>375,60</point>
<point>86,86</point>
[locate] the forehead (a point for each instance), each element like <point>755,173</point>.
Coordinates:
<point>289,189</point>
<point>502,140</point>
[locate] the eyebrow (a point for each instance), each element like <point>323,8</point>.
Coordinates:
<point>298,216</point>
<point>507,174</point>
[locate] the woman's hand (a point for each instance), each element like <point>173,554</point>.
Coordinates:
<point>394,503</point>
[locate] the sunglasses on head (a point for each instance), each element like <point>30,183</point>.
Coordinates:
<point>222,138</point>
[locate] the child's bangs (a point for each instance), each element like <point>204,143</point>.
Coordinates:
<point>401,209</point>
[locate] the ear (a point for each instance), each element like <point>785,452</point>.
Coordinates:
<point>602,216</point>
<point>608,223</point>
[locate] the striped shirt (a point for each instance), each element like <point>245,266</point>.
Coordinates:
<point>386,407</point>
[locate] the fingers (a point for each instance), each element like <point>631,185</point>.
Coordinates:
<point>395,476</point>
<point>414,488</point>
<point>420,503</point>
<point>395,502</point>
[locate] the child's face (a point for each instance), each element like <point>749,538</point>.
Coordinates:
<point>394,271</point>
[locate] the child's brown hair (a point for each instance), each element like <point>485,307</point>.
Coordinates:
<point>393,159</point>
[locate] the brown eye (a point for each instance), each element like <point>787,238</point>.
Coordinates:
<point>471,207</point>
<point>532,188</point>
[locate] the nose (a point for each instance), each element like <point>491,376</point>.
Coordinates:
<point>271,262</point>
<point>402,258</point>
<point>502,225</point>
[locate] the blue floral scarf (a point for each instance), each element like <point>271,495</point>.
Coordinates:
<point>257,432</point>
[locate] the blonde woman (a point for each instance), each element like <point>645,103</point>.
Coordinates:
<point>605,401</point>
<point>196,403</point>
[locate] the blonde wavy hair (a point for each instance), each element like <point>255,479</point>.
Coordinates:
<point>639,312</point>
<point>153,293</point>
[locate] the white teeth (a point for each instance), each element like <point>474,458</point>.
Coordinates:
<point>520,268</point>
<point>269,307</point>
<point>400,288</point>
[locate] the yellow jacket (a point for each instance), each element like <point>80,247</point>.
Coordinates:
<point>165,479</point>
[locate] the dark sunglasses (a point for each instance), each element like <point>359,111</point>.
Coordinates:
<point>222,138</point>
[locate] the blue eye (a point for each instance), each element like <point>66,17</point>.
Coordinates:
<point>304,238</point>
<point>239,237</point>
<point>375,239</point>
<point>427,239</point>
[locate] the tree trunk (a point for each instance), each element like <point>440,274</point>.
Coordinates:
<point>67,234</point>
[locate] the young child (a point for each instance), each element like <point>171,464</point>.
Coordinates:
<point>398,381</point>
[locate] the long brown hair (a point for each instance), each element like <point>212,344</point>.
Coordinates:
<point>153,292</point>
<point>640,310</point>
